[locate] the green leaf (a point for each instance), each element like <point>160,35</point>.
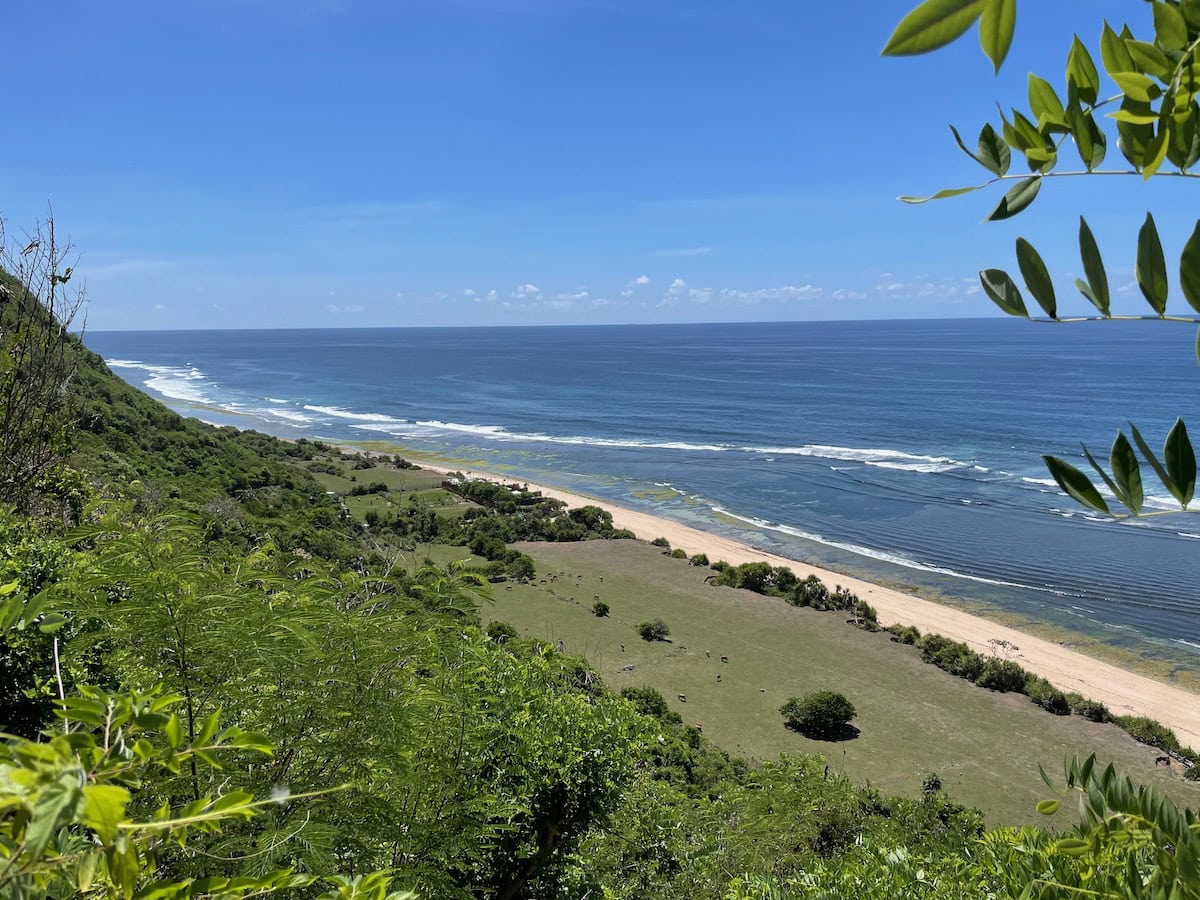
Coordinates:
<point>1126,473</point>
<point>1156,151</point>
<point>1104,476</point>
<point>208,728</point>
<point>940,195</point>
<point>1152,459</point>
<point>174,732</point>
<point>1093,268</point>
<point>933,24</point>
<point>1170,28</point>
<point>1113,52</point>
<point>996,26</point>
<point>1072,846</point>
<point>1029,135</point>
<point>993,153</point>
<point>1075,483</point>
<point>1081,72</point>
<point>1189,269</point>
<point>253,740</point>
<point>104,809</point>
<point>1134,141</point>
<point>52,622</point>
<point>1047,807</point>
<point>1136,86</point>
<point>1139,114</point>
<point>1150,60</point>
<point>1151,267</point>
<point>1003,292</point>
<point>1037,277</point>
<point>1089,139</point>
<point>1018,197</point>
<point>1044,103</point>
<point>55,807</point>
<point>1181,462</point>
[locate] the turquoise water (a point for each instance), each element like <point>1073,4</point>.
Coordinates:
<point>904,451</point>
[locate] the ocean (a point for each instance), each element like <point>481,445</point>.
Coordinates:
<point>903,452</point>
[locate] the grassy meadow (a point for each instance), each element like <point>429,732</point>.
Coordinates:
<point>913,718</point>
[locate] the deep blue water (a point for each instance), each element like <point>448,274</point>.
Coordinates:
<point>907,451</point>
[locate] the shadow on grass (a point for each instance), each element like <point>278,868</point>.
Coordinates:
<point>845,732</point>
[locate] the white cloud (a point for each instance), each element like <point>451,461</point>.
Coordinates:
<point>525,291</point>
<point>641,279</point>
<point>924,288</point>
<point>352,308</point>
<point>680,293</point>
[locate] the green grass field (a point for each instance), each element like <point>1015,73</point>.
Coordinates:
<point>913,717</point>
<point>405,486</point>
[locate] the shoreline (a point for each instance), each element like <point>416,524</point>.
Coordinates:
<point>1122,691</point>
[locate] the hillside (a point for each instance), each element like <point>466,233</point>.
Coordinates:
<point>223,684</point>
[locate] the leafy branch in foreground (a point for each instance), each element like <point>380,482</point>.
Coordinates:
<point>1131,842</point>
<point>1157,121</point>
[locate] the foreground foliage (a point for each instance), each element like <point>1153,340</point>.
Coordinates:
<point>1156,118</point>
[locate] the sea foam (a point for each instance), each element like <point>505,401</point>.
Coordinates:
<point>338,413</point>
<point>176,382</point>
<point>881,458</point>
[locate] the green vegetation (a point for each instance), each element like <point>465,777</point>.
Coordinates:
<point>220,680</point>
<point>824,714</point>
<point>655,630</point>
<point>914,718</point>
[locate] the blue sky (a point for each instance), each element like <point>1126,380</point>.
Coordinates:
<point>266,163</point>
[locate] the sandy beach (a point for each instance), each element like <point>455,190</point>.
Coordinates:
<point>1122,691</point>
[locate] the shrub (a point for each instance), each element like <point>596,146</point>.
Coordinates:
<point>1002,675</point>
<point>699,559</point>
<point>1192,773</point>
<point>931,783</point>
<point>1150,732</point>
<point>678,553</point>
<point>654,631</point>
<point>823,714</point>
<point>661,542</point>
<point>1091,710</point>
<point>955,658</point>
<point>600,609</point>
<point>501,632</point>
<point>649,702</point>
<point>522,567</point>
<point>720,565</point>
<point>905,634</point>
<point>1046,695</point>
